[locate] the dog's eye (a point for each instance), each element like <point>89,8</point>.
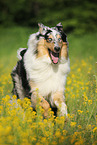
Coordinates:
<point>49,39</point>
<point>59,39</point>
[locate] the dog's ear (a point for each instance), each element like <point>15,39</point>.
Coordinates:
<point>59,27</point>
<point>41,27</point>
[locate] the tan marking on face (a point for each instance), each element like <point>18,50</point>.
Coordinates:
<point>64,50</point>
<point>43,47</point>
<point>50,45</point>
<point>58,36</point>
<point>42,50</point>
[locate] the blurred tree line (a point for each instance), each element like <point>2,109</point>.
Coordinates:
<point>79,16</point>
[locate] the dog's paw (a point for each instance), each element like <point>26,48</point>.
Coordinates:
<point>63,110</point>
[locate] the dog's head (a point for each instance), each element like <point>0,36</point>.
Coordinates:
<point>52,42</point>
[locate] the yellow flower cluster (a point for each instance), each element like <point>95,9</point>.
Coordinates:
<point>21,125</point>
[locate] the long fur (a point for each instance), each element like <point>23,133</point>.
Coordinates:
<point>35,70</point>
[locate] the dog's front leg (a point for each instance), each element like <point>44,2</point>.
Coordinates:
<point>59,102</point>
<point>43,103</point>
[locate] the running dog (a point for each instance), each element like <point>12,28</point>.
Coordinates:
<point>43,66</point>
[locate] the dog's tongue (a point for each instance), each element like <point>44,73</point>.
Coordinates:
<point>54,56</point>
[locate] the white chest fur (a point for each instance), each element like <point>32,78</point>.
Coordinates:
<point>48,77</point>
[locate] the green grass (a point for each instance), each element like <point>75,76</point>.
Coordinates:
<point>83,46</point>
<point>21,125</point>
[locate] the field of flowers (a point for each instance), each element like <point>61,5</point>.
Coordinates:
<point>20,125</point>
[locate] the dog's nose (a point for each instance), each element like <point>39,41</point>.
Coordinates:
<point>57,49</point>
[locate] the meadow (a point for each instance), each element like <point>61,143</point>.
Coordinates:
<point>20,125</point>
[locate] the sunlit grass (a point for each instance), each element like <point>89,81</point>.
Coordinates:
<point>20,125</point>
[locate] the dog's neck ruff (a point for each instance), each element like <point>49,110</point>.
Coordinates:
<point>44,73</point>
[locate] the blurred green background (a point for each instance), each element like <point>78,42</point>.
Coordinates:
<point>78,16</point>
<point>19,18</point>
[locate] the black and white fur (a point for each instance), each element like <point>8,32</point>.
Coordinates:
<point>48,77</point>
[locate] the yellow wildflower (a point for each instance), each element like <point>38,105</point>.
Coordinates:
<point>95,129</point>
<point>73,76</point>
<point>54,143</point>
<point>89,102</point>
<point>58,133</point>
<point>69,82</point>
<point>64,132</point>
<point>38,143</point>
<point>44,140</point>
<point>14,96</point>
<point>79,112</point>
<point>72,124</point>
<point>96,90</point>
<point>10,139</point>
<point>94,143</point>
<point>61,140</point>
<point>33,138</point>
<point>7,130</point>
<point>79,126</point>
<point>89,127</point>
<point>79,142</point>
<point>78,69</point>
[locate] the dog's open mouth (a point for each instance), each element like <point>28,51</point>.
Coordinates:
<point>54,56</point>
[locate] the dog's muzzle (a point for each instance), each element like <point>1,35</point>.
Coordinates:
<point>54,56</point>
<point>57,49</point>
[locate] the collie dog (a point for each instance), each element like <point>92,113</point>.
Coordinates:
<point>43,66</point>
